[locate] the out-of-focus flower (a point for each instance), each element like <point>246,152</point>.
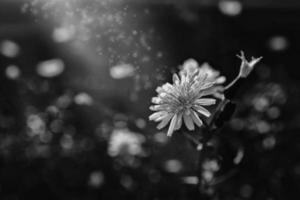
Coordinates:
<point>63,34</point>
<point>123,141</point>
<point>183,100</point>
<point>212,75</point>
<point>278,43</point>
<point>239,156</point>
<point>12,72</point>
<point>67,142</point>
<point>190,65</point>
<point>210,167</point>
<point>122,71</point>
<point>96,179</point>
<point>193,180</point>
<point>173,166</point>
<point>50,68</point>
<point>9,48</point>
<point>246,66</point>
<point>230,7</point>
<point>36,125</point>
<point>83,99</point>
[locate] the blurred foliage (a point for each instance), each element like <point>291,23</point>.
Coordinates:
<point>76,83</point>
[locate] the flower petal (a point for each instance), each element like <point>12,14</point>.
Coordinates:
<point>207,92</point>
<point>159,107</point>
<point>156,100</point>
<point>207,85</point>
<point>176,79</point>
<point>168,87</point>
<point>168,96</point>
<point>159,89</point>
<point>211,91</point>
<point>172,125</point>
<point>160,118</point>
<point>156,115</point>
<point>183,76</point>
<point>220,80</point>
<point>196,119</point>
<point>164,122</point>
<point>188,122</point>
<point>179,122</point>
<point>205,101</point>
<point>202,110</point>
<point>201,78</point>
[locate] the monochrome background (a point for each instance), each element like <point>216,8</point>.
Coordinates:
<point>76,82</point>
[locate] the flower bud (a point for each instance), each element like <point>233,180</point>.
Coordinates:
<point>246,66</point>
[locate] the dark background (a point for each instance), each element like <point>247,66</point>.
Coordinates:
<point>54,146</point>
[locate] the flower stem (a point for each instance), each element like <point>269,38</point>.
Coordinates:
<point>232,82</point>
<point>194,141</point>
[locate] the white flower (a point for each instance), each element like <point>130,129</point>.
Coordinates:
<point>246,66</point>
<point>182,100</point>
